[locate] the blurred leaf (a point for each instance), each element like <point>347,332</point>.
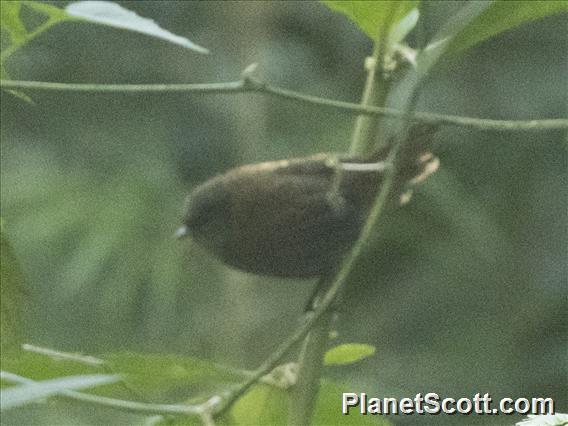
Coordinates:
<point>268,405</point>
<point>122,253</point>
<point>371,16</point>
<point>328,408</point>
<point>446,35</point>
<point>11,23</point>
<point>53,13</point>
<point>17,31</point>
<point>41,367</point>
<point>261,405</point>
<point>400,30</point>
<point>15,396</point>
<point>11,298</point>
<point>348,353</point>
<point>502,16</point>
<point>404,95</point>
<point>172,378</point>
<point>98,12</point>
<point>114,15</point>
<point>152,378</point>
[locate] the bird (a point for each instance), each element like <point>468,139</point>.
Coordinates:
<point>294,218</point>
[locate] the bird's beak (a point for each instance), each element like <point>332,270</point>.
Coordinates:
<point>182,232</point>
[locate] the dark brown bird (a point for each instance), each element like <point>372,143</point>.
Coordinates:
<point>286,218</point>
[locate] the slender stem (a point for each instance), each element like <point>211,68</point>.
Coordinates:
<point>372,96</point>
<point>219,405</point>
<point>278,92</point>
<point>326,302</point>
<point>304,394</point>
<point>363,141</point>
<point>133,406</point>
<point>227,87</point>
<point>273,359</point>
<point>82,359</point>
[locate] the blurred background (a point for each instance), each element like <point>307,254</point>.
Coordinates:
<point>463,290</point>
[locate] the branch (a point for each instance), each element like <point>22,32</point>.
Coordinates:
<point>219,405</point>
<point>304,395</point>
<point>82,359</point>
<point>249,84</point>
<point>137,407</point>
<point>205,410</point>
<point>323,308</point>
<point>281,351</point>
<point>327,301</point>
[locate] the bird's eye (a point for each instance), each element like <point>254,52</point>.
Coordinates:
<point>205,207</point>
<point>198,215</point>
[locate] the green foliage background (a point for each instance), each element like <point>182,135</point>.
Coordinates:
<point>464,292</point>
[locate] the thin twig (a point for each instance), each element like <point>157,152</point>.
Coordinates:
<point>228,87</point>
<point>304,395</point>
<point>201,410</point>
<point>252,85</point>
<point>218,405</point>
<point>326,302</point>
<point>82,359</point>
<point>133,406</point>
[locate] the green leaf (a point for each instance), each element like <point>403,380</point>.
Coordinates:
<point>370,16</point>
<point>15,396</point>
<point>172,378</point>
<point>145,377</point>
<point>41,367</point>
<point>53,13</point>
<point>11,299</point>
<point>261,405</point>
<point>399,31</point>
<point>11,23</point>
<point>112,246</point>
<point>114,15</point>
<point>348,353</point>
<point>502,16</point>
<point>17,31</point>
<point>269,406</point>
<point>404,95</point>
